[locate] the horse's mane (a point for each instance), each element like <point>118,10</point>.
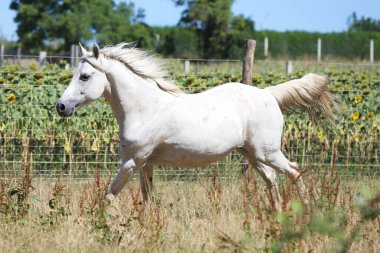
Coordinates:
<point>141,63</point>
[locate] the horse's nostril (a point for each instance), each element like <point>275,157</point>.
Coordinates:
<point>61,107</point>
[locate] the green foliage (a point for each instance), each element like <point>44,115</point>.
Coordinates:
<point>215,26</point>
<point>207,29</point>
<point>63,23</point>
<point>183,42</point>
<point>242,29</point>
<point>177,42</point>
<point>333,223</point>
<point>298,44</point>
<point>120,23</point>
<point>363,24</point>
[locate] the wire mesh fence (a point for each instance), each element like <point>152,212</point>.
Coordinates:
<point>208,65</point>
<point>235,66</point>
<point>77,146</point>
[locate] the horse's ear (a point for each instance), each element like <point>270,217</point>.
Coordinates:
<point>96,51</point>
<point>82,50</point>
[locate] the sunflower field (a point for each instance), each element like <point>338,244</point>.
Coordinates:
<point>29,125</point>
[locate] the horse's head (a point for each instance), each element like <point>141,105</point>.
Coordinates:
<point>88,83</point>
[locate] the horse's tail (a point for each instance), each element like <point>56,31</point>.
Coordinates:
<point>309,92</point>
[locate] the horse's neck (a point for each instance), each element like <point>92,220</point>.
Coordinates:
<point>130,95</point>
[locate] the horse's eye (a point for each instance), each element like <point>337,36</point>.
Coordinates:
<point>84,77</point>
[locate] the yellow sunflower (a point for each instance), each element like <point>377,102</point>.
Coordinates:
<point>355,116</point>
<point>358,99</point>
<point>11,98</point>
<point>320,135</point>
<point>371,115</point>
<point>95,145</point>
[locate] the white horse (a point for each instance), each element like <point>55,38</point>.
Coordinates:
<point>159,124</point>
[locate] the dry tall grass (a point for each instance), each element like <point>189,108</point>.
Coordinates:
<point>210,215</point>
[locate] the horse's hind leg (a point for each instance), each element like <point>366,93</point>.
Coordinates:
<point>269,176</point>
<point>146,181</point>
<point>278,161</point>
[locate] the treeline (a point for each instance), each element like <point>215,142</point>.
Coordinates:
<point>295,45</point>
<point>202,38</point>
<point>181,43</point>
<point>206,29</point>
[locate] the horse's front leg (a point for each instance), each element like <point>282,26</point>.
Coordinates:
<point>127,169</point>
<point>146,181</point>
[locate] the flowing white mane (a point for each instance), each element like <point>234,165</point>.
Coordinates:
<point>141,63</point>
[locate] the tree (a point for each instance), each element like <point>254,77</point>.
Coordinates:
<point>67,22</point>
<point>362,25</point>
<point>120,23</point>
<point>30,21</point>
<point>176,42</point>
<point>241,29</point>
<point>211,19</point>
<point>215,24</point>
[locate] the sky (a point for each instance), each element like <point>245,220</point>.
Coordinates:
<point>286,15</point>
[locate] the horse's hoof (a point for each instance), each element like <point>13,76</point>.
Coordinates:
<point>108,199</point>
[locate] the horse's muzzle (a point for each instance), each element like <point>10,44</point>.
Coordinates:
<point>63,110</point>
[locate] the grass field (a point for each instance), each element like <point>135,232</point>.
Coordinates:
<point>208,215</point>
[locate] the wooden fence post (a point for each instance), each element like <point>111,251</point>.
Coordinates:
<point>247,79</point>
<point>248,61</point>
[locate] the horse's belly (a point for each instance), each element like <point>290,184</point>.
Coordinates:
<point>179,157</point>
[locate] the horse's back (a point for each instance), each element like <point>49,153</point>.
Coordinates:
<point>237,98</point>
<point>232,92</point>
